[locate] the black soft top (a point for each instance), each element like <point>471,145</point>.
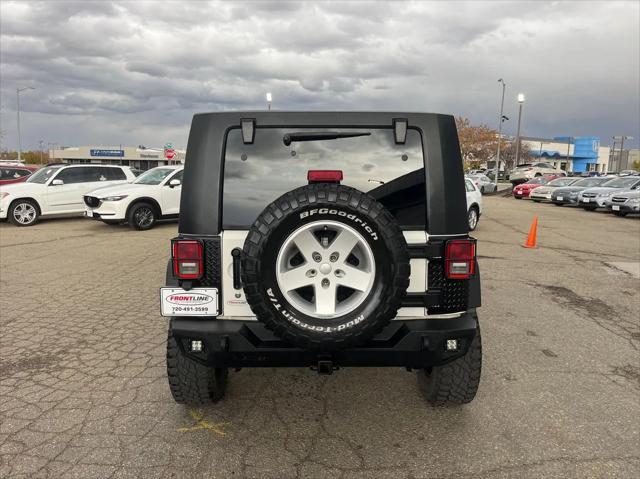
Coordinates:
<point>200,207</point>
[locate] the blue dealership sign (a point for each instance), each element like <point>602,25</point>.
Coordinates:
<point>119,153</point>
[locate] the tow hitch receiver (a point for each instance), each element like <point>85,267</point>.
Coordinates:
<point>324,367</point>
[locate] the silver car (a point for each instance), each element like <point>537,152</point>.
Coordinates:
<point>593,198</point>
<point>624,203</point>
<point>483,183</point>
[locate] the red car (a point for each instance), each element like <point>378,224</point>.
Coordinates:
<point>523,189</point>
<point>15,172</point>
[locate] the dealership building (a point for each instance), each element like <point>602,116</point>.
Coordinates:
<point>140,157</point>
<point>576,154</point>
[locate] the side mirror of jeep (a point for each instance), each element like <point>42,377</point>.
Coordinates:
<point>174,183</point>
<point>57,183</point>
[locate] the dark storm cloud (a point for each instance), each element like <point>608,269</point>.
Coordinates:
<point>135,72</point>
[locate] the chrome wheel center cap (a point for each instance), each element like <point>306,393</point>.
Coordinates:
<point>325,268</point>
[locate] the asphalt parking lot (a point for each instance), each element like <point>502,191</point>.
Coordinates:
<point>84,393</point>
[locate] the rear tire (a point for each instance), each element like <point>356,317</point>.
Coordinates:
<point>142,216</point>
<point>24,213</point>
<point>456,382</point>
<point>190,382</point>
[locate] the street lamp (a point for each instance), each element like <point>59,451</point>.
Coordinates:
<point>502,117</point>
<point>521,102</point>
<point>621,138</point>
<point>52,151</point>
<point>18,90</point>
<point>268,100</point>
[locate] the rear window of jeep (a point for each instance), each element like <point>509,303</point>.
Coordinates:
<point>256,174</point>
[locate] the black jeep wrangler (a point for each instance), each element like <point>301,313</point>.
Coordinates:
<point>324,240</point>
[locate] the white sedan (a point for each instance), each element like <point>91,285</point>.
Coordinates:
<point>154,195</point>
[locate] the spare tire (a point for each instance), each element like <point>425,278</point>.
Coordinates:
<point>325,267</point>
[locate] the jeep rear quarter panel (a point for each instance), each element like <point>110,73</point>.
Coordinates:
<point>202,198</point>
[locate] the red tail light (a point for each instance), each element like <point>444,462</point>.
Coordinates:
<point>187,259</point>
<point>324,176</point>
<point>460,259</point>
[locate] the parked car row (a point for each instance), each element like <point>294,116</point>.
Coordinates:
<point>110,193</point>
<point>618,194</point>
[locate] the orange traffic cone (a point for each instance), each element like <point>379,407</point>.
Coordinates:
<point>533,231</point>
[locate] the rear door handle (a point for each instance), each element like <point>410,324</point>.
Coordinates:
<point>237,254</point>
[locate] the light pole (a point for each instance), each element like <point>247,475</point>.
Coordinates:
<point>40,142</point>
<point>504,85</point>
<point>18,90</point>
<point>269,100</point>
<point>52,150</point>
<point>622,138</point>
<point>521,102</point>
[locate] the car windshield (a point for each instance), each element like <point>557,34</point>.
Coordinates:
<point>620,182</point>
<point>42,176</point>
<point>562,182</point>
<point>523,165</point>
<point>538,181</point>
<point>154,176</point>
<point>588,182</point>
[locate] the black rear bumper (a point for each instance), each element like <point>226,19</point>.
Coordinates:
<point>417,343</point>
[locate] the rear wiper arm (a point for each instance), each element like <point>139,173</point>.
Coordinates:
<point>289,138</point>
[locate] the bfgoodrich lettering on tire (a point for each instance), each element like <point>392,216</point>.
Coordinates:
<point>325,267</point>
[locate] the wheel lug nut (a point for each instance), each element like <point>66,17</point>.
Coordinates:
<point>339,273</point>
<point>311,273</point>
<point>325,283</point>
<point>334,257</point>
<point>316,257</point>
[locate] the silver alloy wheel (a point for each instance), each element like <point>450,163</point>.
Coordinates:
<point>473,218</point>
<point>144,217</point>
<point>24,213</point>
<point>325,269</point>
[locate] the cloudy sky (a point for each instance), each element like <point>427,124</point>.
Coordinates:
<point>109,73</point>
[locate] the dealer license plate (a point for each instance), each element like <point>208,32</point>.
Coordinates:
<point>560,198</point>
<point>88,213</point>
<point>615,208</point>
<point>585,200</point>
<point>195,302</point>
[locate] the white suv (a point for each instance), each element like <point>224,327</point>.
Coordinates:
<point>56,190</point>
<point>154,195</point>
<point>524,172</point>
